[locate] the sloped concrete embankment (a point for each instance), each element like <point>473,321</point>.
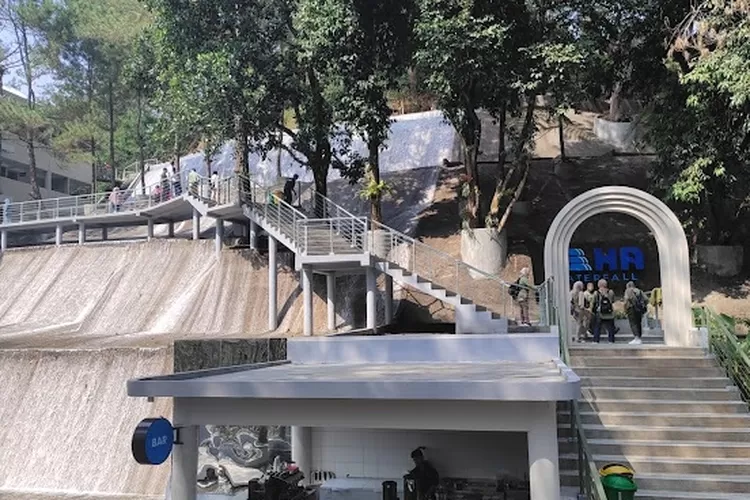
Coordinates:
<point>66,423</point>
<point>142,294</point>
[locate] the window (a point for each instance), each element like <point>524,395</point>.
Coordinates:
<point>78,187</point>
<point>41,178</point>
<point>59,183</point>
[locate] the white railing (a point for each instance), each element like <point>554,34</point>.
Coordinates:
<point>223,191</point>
<point>86,205</point>
<point>277,213</point>
<point>335,235</point>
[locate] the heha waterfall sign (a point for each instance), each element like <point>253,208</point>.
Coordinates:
<point>153,439</point>
<point>612,264</point>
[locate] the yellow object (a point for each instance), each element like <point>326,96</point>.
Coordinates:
<point>655,299</point>
<point>616,469</point>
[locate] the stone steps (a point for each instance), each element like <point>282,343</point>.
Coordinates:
<point>706,420</point>
<point>662,406</point>
<point>668,465</point>
<point>657,382</point>
<point>639,432</point>
<point>629,361</point>
<point>657,351</point>
<point>599,393</point>
<point>684,495</point>
<point>671,482</point>
<point>678,449</point>
<point>647,372</point>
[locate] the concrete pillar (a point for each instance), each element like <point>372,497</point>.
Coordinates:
<point>185,464</point>
<point>105,234</point>
<point>371,298</point>
<point>302,449</point>
<point>273,312</point>
<point>544,472</point>
<point>170,229</point>
<point>58,234</point>
<point>219,235</point>
<point>253,237</point>
<point>3,240</point>
<point>307,294</point>
<point>331,300</point>
<point>388,298</point>
<point>81,233</point>
<point>150,230</point>
<point>196,225</point>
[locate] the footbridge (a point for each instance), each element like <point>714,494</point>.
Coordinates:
<point>325,238</point>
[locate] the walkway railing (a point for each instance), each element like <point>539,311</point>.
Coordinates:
<point>277,213</point>
<point>723,343</point>
<point>589,483</point>
<point>223,191</point>
<point>68,207</point>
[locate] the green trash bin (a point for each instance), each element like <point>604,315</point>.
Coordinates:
<point>619,487</point>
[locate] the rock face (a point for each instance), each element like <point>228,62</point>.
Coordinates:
<point>724,261</point>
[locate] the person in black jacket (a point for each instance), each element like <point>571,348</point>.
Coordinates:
<point>425,475</point>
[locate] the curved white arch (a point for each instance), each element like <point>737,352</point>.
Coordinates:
<point>674,259</point>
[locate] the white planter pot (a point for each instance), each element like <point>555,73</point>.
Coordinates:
<point>621,135</point>
<point>720,260</point>
<point>485,249</point>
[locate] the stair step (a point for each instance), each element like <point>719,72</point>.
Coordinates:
<point>666,419</point>
<point>598,393</point>
<point>652,371</point>
<point>643,362</point>
<point>663,406</point>
<point>684,495</point>
<point>670,482</point>
<point>657,382</point>
<point>643,351</point>
<point>677,449</point>
<point>660,433</point>
<point>668,465</point>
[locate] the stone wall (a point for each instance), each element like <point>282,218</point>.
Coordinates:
<point>192,355</point>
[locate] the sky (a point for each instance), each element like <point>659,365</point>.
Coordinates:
<point>12,80</point>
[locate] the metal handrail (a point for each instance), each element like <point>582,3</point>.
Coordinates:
<point>588,475</point>
<point>68,207</point>
<point>726,348</point>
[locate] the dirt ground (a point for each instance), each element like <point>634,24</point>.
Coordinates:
<point>439,226</point>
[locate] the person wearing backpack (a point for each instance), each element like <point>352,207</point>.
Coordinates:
<point>521,292</point>
<point>604,308</point>
<point>636,306</point>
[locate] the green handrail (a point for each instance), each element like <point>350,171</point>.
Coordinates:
<point>588,475</point>
<point>726,348</point>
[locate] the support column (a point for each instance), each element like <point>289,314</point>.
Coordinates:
<point>58,234</point>
<point>105,234</point>
<point>81,233</point>
<point>185,464</point>
<point>219,236</point>
<point>388,298</point>
<point>331,300</point>
<point>273,313</point>
<point>307,300</point>
<point>170,229</point>
<point>3,241</point>
<point>150,230</point>
<point>544,472</point>
<point>196,225</point>
<point>253,236</point>
<point>371,304</point>
<point>302,449</point>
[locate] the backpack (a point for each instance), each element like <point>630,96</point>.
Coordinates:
<point>515,289</point>
<point>639,303</point>
<point>603,304</point>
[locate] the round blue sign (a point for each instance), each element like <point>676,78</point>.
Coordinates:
<point>152,441</point>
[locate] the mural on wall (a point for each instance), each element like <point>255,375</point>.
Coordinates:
<point>232,455</point>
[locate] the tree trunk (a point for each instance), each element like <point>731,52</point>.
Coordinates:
<point>373,166</point>
<point>470,137</point>
<point>501,126</point>
<point>278,157</point>
<point>35,194</point>
<point>111,112</point>
<point>242,148</point>
<point>561,136</point>
<point>614,103</point>
<point>141,162</point>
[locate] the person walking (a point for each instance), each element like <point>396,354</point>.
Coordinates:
<point>164,183</point>
<point>579,311</point>
<point>636,306</point>
<point>193,180</point>
<point>589,296</point>
<point>289,188</point>
<point>524,288</point>
<point>604,307</point>
<point>215,186</point>
<point>114,200</point>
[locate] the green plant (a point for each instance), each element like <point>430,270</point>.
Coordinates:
<point>373,189</point>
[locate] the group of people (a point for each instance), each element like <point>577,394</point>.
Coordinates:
<point>593,310</point>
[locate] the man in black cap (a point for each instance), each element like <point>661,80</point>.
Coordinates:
<point>425,475</point>
<point>289,188</point>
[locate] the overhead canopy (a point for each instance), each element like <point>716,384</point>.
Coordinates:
<point>495,381</point>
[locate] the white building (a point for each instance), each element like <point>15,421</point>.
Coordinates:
<point>55,178</point>
<point>483,405</point>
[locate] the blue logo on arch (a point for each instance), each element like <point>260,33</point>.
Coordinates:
<point>578,260</point>
<point>152,441</point>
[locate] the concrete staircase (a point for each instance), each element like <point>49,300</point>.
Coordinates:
<point>670,413</point>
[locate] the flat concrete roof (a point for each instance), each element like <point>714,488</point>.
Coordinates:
<point>495,381</point>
